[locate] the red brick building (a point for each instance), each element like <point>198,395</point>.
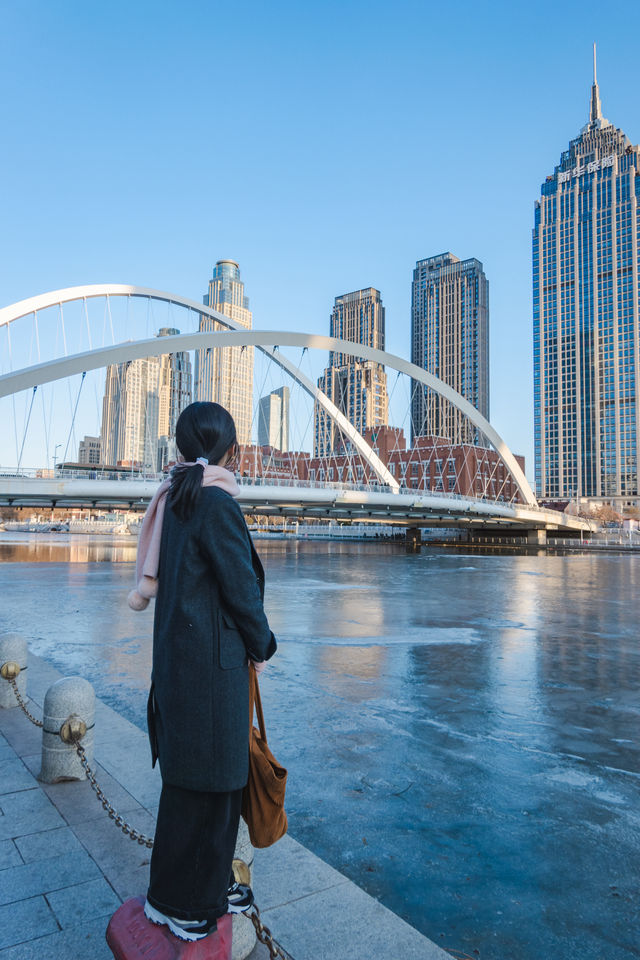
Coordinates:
<point>432,464</point>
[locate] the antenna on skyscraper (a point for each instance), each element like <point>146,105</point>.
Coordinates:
<point>596,108</point>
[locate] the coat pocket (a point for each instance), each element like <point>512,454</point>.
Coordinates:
<point>232,652</point>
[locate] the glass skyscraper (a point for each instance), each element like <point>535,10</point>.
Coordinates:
<point>225,374</point>
<point>449,338</point>
<point>585,318</point>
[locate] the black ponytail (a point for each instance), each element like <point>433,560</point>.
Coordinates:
<point>203,430</point>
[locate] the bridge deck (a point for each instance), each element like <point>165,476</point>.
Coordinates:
<point>327,502</point>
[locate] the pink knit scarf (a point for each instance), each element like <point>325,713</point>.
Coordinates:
<point>148,557</point>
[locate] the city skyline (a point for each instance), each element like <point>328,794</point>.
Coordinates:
<point>286,187</point>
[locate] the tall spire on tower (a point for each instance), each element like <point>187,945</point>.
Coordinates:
<point>596,106</point>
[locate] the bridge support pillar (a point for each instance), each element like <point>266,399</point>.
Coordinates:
<point>413,536</point>
<point>537,537</point>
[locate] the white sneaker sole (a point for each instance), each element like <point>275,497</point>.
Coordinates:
<point>236,908</point>
<point>161,920</point>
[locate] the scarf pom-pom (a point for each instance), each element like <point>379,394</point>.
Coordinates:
<point>136,601</point>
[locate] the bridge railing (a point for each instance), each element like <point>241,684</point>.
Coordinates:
<point>115,476</point>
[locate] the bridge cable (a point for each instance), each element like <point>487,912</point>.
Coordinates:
<point>44,412</point>
<point>66,353</point>
<point>24,436</point>
<point>267,373</point>
<point>312,410</point>
<point>13,396</point>
<point>86,317</point>
<point>313,406</point>
<point>73,419</point>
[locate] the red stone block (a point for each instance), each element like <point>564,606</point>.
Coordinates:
<point>132,937</point>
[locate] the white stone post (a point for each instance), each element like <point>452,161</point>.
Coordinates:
<point>69,697</point>
<point>244,934</point>
<point>13,650</point>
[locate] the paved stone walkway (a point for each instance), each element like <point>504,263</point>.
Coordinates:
<point>65,868</point>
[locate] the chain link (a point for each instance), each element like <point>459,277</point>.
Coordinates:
<point>14,687</point>
<point>113,815</point>
<point>264,935</point>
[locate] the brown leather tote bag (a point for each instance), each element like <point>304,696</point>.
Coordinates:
<point>263,796</point>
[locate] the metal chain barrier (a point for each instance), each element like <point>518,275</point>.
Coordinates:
<point>72,731</point>
<point>106,805</point>
<point>264,935</point>
<point>9,672</point>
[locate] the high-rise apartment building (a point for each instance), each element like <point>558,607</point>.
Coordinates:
<point>90,450</point>
<point>225,375</point>
<point>586,262</point>
<point>357,387</point>
<point>273,420</point>
<point>130,414</point>
<point>449,338</point>
<point>142,402</point>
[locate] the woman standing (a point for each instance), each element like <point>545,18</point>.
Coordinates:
<point>196,557</point>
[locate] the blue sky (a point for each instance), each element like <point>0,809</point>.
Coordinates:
<point>325,146</point>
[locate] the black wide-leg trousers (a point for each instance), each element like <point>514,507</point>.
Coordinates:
<point>193,851</point>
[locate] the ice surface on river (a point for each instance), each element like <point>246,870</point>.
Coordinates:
<point>462,732</point>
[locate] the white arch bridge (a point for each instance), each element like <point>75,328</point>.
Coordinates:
<point>382,501</point>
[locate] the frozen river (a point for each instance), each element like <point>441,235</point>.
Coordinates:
<point>462,732</point>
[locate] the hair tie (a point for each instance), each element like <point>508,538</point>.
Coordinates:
<point>203,461</point>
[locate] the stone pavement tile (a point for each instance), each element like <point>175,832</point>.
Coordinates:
<point>15,776</point>
<point>112,726</point>
<point>25,920</point>
<point>42,876</point>
<point>47,844</point>
<point>259,952</point>
<point>76,800</point>
<point>9,855</point>
<point>28,811</point>
<point>83,901</point>
<point>132,767</point>
<point>6,750</point>
<point>288,871</point>
<point>346,922</point>
<point>131,882</point>
<point>124,862</point>
<point>83,942</point>
<point>20,733</point>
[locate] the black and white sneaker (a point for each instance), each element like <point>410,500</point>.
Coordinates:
<point>240,898</point>
<point>183,929</point>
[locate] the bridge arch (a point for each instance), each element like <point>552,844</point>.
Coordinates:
<point>236,335</point>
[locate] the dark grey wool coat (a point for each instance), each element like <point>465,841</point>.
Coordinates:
<point>209,619</point>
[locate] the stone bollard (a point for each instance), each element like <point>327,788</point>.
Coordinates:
<point>71,696</point>
<point>244,934</point>
<point>13,650</point>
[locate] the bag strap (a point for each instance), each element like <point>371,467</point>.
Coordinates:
<point>255,701</point>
